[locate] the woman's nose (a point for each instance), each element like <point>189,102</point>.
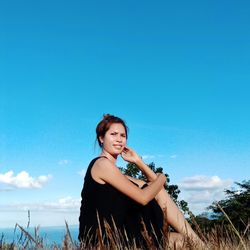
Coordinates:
<point>119,138</point>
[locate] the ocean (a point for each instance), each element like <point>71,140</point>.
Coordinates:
<point>50,235</point>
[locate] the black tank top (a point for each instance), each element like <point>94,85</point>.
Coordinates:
<point>110,204</point>
<point>113,206</point>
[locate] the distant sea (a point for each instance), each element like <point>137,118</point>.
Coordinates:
<point>50,235</point>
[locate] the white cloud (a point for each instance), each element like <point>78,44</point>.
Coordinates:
<point>64,162</point>
<point>150,157</point>
<point>146,157</point>
<point>65,204</point>
<point>82,173</point>
<point>201,182</point>
<point>23,180</point>
<point>173,156</point>
<point>201,191</point>
<point>43,213</point>
<point>5,189</point>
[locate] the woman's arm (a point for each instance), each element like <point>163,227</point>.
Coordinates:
<point>139,182</point>
<point>174,216</point>
<point>130,155</point>
<point>109,173</point>
<point>146,170</point>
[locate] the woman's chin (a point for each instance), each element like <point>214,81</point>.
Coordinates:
<point>117,152</point>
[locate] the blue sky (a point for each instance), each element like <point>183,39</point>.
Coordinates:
<point>177,72</point>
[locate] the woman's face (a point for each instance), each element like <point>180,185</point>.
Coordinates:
<point>115,139</point>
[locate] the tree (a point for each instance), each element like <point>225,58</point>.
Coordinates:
<point>236,206</point>
<point>132,170</point>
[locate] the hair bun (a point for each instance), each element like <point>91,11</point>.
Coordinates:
<point>106,116</point>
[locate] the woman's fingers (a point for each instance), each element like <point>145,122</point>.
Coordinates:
<point>126,149</point>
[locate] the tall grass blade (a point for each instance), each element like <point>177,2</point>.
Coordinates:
<point>235,230</point>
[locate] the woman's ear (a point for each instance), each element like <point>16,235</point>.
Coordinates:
<point>101,139</point>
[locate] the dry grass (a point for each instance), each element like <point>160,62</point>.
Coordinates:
<point>219,238</point>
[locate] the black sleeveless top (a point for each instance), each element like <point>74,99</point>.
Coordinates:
<point>104,200</point>
<point>115,207</point>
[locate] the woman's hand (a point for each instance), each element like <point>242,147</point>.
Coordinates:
<point>130,155</point>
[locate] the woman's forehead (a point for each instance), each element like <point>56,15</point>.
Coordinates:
<point>117,127</point>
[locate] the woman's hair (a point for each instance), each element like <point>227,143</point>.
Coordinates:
<point>104,125</point>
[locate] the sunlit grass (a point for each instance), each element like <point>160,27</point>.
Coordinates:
<point>220,238</point>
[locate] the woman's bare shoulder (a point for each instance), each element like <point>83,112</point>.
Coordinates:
<point>103,164</point>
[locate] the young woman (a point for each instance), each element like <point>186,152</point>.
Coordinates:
<point>122,201</point>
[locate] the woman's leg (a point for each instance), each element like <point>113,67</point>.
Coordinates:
<point>174,216</point>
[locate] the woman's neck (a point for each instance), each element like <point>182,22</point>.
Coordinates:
<point>111,157</point>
